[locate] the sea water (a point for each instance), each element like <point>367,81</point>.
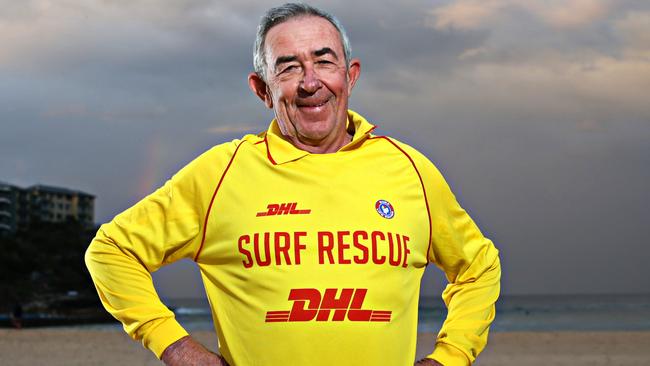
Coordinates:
<point>554,313</point>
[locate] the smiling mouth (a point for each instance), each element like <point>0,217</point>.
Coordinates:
<point>312,106</point>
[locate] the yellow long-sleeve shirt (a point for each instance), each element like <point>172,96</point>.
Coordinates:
<point>306,258</point>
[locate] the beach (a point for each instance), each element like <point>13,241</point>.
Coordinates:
<point>78,346</point>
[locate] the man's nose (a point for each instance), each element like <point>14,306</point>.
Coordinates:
<point>310,82</point>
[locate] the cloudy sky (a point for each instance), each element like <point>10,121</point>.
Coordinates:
<point>536,111</point>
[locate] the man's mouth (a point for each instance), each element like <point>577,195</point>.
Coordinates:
<point>313,106</point>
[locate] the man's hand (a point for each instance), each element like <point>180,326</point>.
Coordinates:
<point>188,352</point>
<point>427,362</point>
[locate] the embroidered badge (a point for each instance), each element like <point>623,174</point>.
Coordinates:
<point>385,209</point>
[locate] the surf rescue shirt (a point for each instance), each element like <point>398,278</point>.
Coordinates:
<point>307,259</point>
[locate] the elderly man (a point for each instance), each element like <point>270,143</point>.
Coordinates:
<point>311,237</point>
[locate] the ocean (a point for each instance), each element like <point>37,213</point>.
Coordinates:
<point>514,313</point>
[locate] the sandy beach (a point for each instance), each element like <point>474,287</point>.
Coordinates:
<point>70,346</point>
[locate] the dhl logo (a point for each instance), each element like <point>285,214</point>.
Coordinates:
<point>309,304</point>
<point>274,209</point>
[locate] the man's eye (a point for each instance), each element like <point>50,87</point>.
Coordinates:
<point>324,62</point>
<point>289,68</point>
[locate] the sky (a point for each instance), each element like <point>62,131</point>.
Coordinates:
<point>536,111</point>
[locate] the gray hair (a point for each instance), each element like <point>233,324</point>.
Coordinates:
<point>282,14</point>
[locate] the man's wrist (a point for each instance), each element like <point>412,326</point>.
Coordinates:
<point>223,361</point>
<point>428,362</point>
<point>173,348</point>
<point>187,351</point>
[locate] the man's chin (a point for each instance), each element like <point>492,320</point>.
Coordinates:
<point>315,132</point>
<point>312,137</point>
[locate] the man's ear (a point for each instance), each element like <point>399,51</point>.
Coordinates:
<point>353,73</point>
<point>259,87</point>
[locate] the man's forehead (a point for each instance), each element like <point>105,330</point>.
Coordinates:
<point>303,35</point>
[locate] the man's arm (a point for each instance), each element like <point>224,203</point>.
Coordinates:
<point>122,256</point>
<point>162,228</point>
<point>471,264</point>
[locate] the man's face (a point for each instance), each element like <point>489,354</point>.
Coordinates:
<point>307,82</point>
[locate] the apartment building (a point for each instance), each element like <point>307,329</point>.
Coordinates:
<point>21,207</point>
<point>8,207</point>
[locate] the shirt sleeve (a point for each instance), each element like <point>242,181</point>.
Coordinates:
<point>163,227</point>
<point>471,264</point>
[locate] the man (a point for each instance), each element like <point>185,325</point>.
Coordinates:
<point>311,238</point>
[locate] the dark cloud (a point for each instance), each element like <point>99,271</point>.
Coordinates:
<point>538,119</point>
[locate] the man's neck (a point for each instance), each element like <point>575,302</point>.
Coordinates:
<point>329,144</point>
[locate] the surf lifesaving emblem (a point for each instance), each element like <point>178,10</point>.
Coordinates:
<point>385,209</point>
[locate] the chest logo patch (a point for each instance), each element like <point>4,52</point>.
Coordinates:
<point>385,209</point>
<point>289,208</point>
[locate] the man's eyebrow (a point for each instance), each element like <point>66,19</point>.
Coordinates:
<point>284,59</point>
<point>325,51</point>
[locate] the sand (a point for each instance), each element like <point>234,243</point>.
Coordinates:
<point>71,346</point>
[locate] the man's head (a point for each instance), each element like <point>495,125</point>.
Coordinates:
<point>282,14</point>
<point>303,71</point>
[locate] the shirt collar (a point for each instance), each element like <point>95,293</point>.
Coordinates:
<point>281,151</point>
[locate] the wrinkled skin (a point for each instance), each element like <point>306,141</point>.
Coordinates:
<point>307,83</point>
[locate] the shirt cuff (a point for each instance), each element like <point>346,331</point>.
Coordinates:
<point>448,355</point>
<point>162,335</point>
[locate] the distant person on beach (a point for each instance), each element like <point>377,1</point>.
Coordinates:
<point>17,316</point>
<point>311,238</point>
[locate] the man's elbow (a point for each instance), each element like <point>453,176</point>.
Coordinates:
<point>495,272</point>
<point>492,268</point>
<point>485,267</point>
<point>92,255</point>
<point>98,252</point>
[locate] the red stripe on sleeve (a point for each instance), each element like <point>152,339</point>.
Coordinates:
<point>207,214</point>
<point>424,191</point>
